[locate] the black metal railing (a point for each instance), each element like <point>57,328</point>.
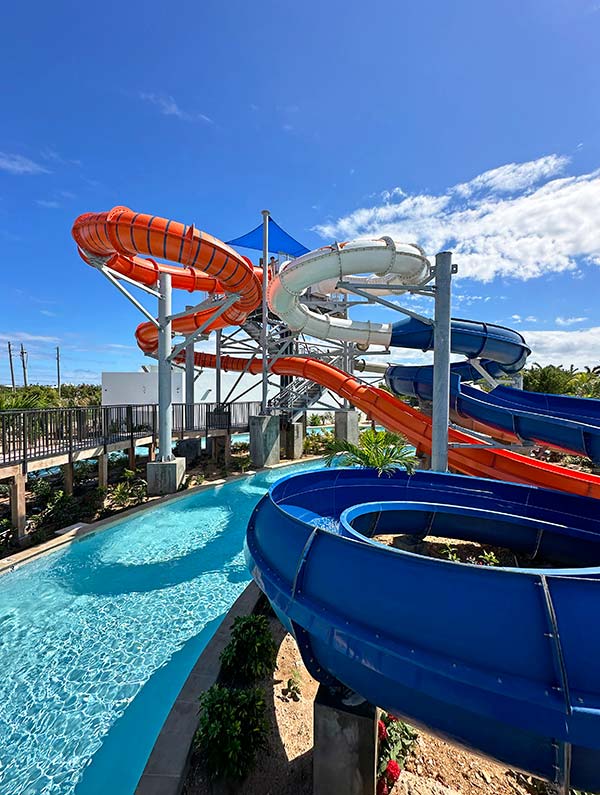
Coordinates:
<point>45,433</point>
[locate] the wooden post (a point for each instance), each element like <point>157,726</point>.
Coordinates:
<point>132,457</point>
<point>103,471</point>
<point>18,513</point>
<point>67,473</point>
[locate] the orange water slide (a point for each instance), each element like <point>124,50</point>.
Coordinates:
<point>116,237</point>
<point>392,413</point>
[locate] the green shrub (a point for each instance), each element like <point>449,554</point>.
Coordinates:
<point>7,534</point>
<point>43,491</point>
<point>251,654</point>
<point>232,730</point>
<point>317,443</point>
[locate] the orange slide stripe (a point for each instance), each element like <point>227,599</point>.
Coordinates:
<point>208,264</point>
<point>401,418</point>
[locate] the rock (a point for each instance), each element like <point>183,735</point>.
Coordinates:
<point>410,784</point>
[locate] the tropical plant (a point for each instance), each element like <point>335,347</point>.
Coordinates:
<point>381,450</point>
<point>251,653</point>
<point>317,443</point>
<point>315,419</point>
<point>232,730</point>
<point>550,379</point>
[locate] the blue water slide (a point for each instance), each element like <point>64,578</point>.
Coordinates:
<point>568,423</point>
<point>503,661</point>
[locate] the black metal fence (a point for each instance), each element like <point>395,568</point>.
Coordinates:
<point>44,433</point>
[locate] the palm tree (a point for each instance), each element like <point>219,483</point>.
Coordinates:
<point>380,450</point>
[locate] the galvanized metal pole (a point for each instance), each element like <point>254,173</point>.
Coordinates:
<point>218,369</point>
<point>190,373</point>
<point>264,335</point>
<point>165,412</point>
<point>441,362</point>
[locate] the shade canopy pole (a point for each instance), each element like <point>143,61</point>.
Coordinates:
<point>264,335</point>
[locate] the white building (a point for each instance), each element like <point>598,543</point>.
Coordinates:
<point>142,387</point>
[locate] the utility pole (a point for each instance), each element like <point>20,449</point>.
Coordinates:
<point>12,369</point>
<point>24,364</point>
<point>58,369</point>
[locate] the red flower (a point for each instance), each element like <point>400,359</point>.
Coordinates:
<point>392,771</point>
<point>391,718</point>
<point>381,730</point>
<point>382,787</point>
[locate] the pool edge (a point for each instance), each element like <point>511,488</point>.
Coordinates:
<point>167,765</point>
<point>62,539</point>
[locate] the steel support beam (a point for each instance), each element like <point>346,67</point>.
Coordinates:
<point>265,314</point>
<point>165,412</point>
<point>441,362</point>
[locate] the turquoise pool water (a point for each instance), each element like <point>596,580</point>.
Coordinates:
<point>97,639</point>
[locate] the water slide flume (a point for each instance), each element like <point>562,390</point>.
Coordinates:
<point>569,424</point>
<point>500,660</point>
<point>116,238</point>
<point>397,416</point>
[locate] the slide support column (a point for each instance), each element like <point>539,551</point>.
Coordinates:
<point>165,411</point>
<point>190,374</point>
<point>264,336</point>
<point>165,476</point>
<point>441,362</point>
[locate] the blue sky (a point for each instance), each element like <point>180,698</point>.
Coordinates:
<point>465,124</point>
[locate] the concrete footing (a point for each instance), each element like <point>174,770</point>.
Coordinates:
<point>165,477</point>
<point>264,440</point>
<point>345,746</point>
<point>220,451</point>
<point>346,426</point>
<point>292,439</point>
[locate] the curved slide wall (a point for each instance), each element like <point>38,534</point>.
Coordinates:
<point>499,660</point>
<point>566,423</point>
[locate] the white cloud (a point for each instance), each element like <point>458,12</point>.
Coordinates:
<point>48,203</point>
<point>516,318</point>
<point>531,319</point>
<point>569,321</point>
<point>543,225</point>
<point>168,107</point>
<point>24,336</point>
<point>48,313</point>
<point>17,164</point>
<point>579,348</point>
<point>514,176</point>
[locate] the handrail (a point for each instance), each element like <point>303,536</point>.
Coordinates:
<point>37,434</point>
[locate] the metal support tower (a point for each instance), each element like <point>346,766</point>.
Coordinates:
<point>265,315</point>
<point>441,361</point>
<point>165,413</point>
